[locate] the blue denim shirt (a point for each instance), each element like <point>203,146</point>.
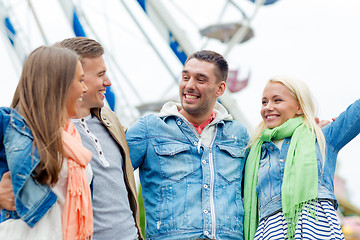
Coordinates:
<point>18,155</point>
<point>272,163</point>
<point>189,191</point>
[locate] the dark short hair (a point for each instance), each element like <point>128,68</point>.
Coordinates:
<point>84,47</point>
<point>217,59</point>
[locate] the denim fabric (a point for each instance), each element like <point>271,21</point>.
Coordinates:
<point>18,155</point>
<point>272,163</point>
<point>189,191</point>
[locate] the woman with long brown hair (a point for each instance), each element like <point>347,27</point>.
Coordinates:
<point>43,151</point>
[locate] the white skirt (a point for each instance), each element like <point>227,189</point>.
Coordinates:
<point>48,228</point>
<point>326,227</point>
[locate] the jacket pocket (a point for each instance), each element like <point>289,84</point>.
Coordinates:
<point>175,160</point>
<point>230,162</point>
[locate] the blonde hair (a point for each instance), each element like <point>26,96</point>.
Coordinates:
<point>305,99</point>
<point>40,97</point>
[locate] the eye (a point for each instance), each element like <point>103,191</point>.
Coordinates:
<point>184,77</point>
<point>263,102</point>
<point>278,100</point>
<point>101,74</point>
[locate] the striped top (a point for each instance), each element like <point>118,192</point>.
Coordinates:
<point>325,227</point>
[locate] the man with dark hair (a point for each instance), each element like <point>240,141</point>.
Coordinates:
<point>115,204</point>
<point>191,158</point>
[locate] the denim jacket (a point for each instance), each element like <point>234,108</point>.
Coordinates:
<point>18,155</point>
<point>272,162</point>
<point>191,185</point>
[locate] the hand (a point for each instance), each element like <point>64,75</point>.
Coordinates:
<point>7,199</point>
<point>321,123</point>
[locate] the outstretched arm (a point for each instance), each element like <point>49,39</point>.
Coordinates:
<point>345,127</point>
<point>6,193</point>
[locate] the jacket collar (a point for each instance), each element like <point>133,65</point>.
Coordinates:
<point>172,109</point>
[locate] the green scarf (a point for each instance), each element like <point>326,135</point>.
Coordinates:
<point>300,181</point>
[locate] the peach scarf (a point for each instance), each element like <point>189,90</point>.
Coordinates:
<point>77,221</point>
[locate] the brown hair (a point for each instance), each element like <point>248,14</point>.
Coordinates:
<point>213,57</point>
<point>41,97</point>
<point>84,47</point>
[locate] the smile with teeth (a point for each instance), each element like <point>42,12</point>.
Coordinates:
<point>102,91</point>
<point>271,117</point>
<point>190,96</point>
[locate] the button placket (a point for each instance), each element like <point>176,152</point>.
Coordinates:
<point>96,143</point>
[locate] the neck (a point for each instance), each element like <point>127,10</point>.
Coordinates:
<point>195,119</point>
<point>82,112</point>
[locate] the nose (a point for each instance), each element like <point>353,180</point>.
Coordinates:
<point>268,106</point>
<point>107,82</point>
<point>191,83</point>
<point>85,88</point>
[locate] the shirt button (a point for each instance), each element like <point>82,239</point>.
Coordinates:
<point>206,232</point>
<point>205,186</point>
<point>178,123</point>
<point>82,120</point>
<point>282,160</point>
<point>206,211</point>
<point>87,131</point>
<point>271,148</point>
<point>96,140</point>
<point>203,161</point>
<point>7,215</point>
<point>195,143</point>
<point>100,152</point>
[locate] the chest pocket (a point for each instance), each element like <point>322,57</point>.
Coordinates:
<point>230,161</point>
<point>175,160</point>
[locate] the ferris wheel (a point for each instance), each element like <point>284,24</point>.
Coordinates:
<point>146,42</point>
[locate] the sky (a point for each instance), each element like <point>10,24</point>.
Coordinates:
<point>315,41</point>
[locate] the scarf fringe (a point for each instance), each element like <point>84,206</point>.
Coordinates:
<point>312,210</point>
<point>75,191</point>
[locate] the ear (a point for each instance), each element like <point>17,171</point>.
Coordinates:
<point>299,110</point>
<point>220,88</point>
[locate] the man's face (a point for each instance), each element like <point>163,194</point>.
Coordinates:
<point>96,81</point>
<point>199,89</point>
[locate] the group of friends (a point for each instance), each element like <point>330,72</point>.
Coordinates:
<point>66,163</point>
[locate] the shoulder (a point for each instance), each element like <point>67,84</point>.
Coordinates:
<point>236,125</point>
<point>147,124</point>
<point>105,114</point>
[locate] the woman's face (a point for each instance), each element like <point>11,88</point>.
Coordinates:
<point>77,89</point>
<point>278,105</point>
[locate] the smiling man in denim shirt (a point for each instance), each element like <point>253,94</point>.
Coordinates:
<point>191,158</point>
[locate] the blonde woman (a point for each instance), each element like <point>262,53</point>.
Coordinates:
<point>289,173</point>
<point>43,151</point>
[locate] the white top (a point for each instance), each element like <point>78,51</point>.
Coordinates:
<point>49,226</point>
